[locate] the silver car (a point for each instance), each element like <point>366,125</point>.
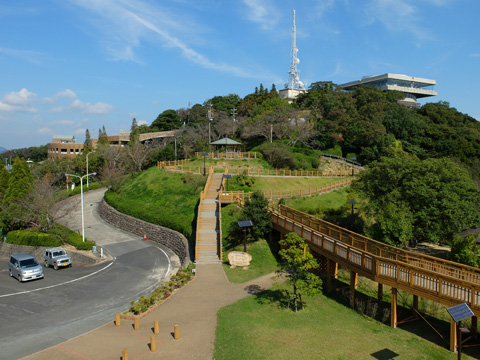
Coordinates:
<point>24,267</point>
<point>57,258</point>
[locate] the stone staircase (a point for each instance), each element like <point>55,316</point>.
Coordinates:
<point>208,225</point>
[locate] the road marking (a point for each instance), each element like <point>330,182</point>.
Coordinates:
<point>64,283</point>
<point>168,258</point>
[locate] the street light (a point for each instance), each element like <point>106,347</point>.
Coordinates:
<point>244,225</point>
<point>204,154</point>
<point>91,152</point>
<point>81,192</point>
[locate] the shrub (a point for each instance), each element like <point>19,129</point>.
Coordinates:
<point>161,293</point>
<point>32,238</point>
<point>337,150</point>
<point>71,237</point>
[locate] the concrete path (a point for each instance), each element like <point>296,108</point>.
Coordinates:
<point>193,308</point>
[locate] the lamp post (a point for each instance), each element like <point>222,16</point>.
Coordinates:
<point>91,152</point>
<point>204,154</point>
<point>81,192</point>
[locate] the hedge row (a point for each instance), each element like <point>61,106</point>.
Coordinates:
<point>53,239</point>
<point>32,238</point>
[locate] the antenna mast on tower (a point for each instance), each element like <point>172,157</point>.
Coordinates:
<point>293,79</point>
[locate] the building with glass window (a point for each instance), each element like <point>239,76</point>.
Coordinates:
<point>412,87</point>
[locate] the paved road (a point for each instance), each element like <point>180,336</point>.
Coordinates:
<point>69,302</point>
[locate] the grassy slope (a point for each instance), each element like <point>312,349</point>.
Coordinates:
<point>258,328</point>
<point>285,184</point>
<point>158,197</point>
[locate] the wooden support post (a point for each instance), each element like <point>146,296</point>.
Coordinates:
<point>393,310</point>
<point>117,319</point>
<point>380,292</point>
<point>474,327</point>
<point>453,336</point>
<point>155,328</point>
<point>124,354</point>
<point>353,286</point>
<point>415,305</point>
<point>153,345</point>
<point>176,333</point>
<point>135,324</point>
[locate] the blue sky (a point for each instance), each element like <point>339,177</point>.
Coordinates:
<point>69,65</point>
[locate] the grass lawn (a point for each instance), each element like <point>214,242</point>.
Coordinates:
<point>285,184</point>
<point>259,328</point>
<point>221,164</point>
<point>331,200</point>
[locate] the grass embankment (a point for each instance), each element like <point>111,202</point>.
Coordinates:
<point>161,198</point>
<point>259,328</point>
<point>277,184</point>
<point>262,251</point>
<point>220,164</point>
<point>317,203</point>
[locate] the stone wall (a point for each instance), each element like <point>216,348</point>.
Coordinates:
<point>170,238</point>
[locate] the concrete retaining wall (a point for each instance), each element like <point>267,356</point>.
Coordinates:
<point>170,238</point>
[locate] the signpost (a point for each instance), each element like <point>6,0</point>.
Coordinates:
<point>458,313</point>
<point>244,225</point>
<point>227,176</point>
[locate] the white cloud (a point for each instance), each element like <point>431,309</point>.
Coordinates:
<point>18,101</point>
<point>65,94</point>
<point>262,12</point>
<point>142,122</point>
<point>30,56</point>
<point>22,97</point>
<point>398,16</point>
<point>80,131</point>
<point>475,55</point>
<point>88,108</point>
<point>124,25</point>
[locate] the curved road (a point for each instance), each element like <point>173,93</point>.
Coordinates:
<point>69,302</point>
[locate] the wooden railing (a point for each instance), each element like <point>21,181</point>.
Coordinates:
<point>220,239</point>
<point>240,196</point>
<point>229,155</point>
<point>442,281</point>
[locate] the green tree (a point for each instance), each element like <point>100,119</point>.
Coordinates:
<point>19,182</point>
<point>167,120</point>
<point>102,136</point>
<point>87,144</point>
<point>429,200</point>
<point>4,175</point>
<point>297,266</point>
<point>255,209</point>
<point>464,250</point>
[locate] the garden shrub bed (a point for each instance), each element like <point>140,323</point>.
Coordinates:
<point>145,305</point>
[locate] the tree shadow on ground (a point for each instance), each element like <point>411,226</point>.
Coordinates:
<point>273,296</point>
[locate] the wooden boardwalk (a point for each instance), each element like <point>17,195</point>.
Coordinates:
<point>208,247</point>
<point>441,281</point>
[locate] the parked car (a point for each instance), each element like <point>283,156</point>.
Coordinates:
<point>24,267</point>
<point>57,258</point>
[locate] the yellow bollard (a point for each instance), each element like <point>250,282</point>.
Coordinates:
<point>124,354</point>
<point>176,334</point>
<point>155,328</point>
<point>153,346</point>
<point>117,319</point>
<point>135,324</point>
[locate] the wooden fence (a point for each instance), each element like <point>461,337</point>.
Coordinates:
<point>182,166</point>
<point>240,196</point>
